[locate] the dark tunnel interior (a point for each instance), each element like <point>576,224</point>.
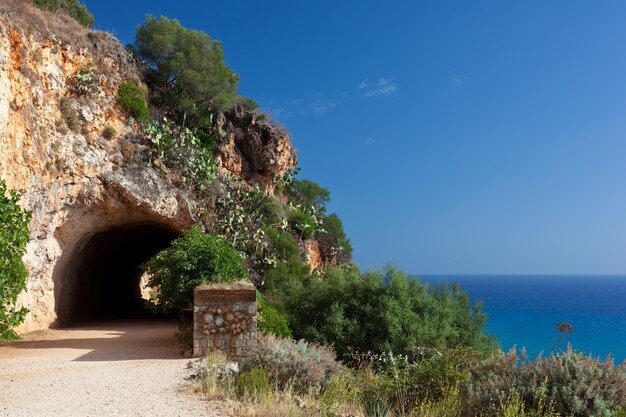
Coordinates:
<point>103,277</point>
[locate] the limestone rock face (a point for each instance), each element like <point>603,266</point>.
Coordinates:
<point>257,151</point>
<point>76,182</point>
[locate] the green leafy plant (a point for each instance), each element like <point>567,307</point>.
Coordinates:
<point>302,223</point>
<point>270,320</point>
<point>193,259</point>
<point>182,151</point>
<point>73,8</point>
<point>14,236</point>
<point>244,217</point>
<point>83,82</point>
<point>133,98</point>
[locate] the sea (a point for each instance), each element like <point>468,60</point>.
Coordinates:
<point>523,310</point>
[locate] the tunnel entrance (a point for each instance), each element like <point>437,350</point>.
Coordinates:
<point>101,281</point>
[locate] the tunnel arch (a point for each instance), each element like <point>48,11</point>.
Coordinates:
<point>100,278</point>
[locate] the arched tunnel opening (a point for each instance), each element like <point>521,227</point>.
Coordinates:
<point>102,279</point>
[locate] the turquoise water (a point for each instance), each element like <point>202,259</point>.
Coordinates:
<point>524,310</point>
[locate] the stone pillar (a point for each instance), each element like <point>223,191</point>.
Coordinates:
<point>224,318</point>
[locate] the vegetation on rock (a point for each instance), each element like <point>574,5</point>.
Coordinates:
<point>73,8</point>
<point>193,259</point>
<point>133,98</point>
<point>14,236</point>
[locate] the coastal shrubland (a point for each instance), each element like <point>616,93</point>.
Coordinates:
<point>336,341</point>
<point>450,383</point>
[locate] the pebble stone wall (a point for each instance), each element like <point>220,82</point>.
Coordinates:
<point>224,318</point>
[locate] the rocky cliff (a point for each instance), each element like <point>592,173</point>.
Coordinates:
<point>71,152</point>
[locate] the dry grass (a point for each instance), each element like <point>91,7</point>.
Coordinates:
<point>238,285</point>
<point>110,56</point>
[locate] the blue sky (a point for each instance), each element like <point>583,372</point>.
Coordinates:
<point>454,136</point>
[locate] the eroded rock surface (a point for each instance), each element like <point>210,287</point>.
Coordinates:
<point>77,182</point>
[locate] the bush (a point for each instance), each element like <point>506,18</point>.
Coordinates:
<point>73,8</point>
<point>133,98</point>
<point>253,385</point>
<point>378,312</point>
<point>14,236</point>
<point>193,259</point>
<point>302,224</point>
<point>186,72</point>
<point>270,320</point>
<point>569,382</point>
<point>300,365</point>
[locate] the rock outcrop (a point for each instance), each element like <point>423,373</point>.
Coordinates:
<point>255,150</point>
<point>71,153</point>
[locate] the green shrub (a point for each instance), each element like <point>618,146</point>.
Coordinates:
<point>270,320</point>
<point>186,72</point>
<point>73,8</point>
<point>300,365</point>
<point>378,312</point>
<point>302,224</point>
<point>253,385</point>
<point>133,98</point>
<point>193,259</point>
<point>14,236</point>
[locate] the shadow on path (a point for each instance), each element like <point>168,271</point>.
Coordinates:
<point>111,341</point>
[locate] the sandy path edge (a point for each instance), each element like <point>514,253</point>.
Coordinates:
<point>113,369</point>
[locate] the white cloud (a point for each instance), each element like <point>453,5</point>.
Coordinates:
<point>459,80</point>
<point>369,141</point>
<point>322,106</point>
<point>383,87</point>
<point>280,112</point>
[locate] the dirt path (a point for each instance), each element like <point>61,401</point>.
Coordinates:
<point>104,370</point>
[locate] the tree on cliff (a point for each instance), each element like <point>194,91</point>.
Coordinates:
<point>13,239</point>
<point>185,71</point>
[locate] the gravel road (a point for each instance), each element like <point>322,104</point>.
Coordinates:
<point>117,369</point>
